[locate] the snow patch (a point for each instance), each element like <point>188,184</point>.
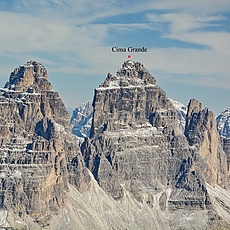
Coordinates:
<point>16,173</point>
<point>181,111</point>
<point>59,128</point>
<point>115,86</point>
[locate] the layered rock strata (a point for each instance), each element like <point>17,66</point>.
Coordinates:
<point>136,144</point>
<point>36,147</point>
<point>201,133</point>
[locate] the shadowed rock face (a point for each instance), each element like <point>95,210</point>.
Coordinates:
<point>137,146</point>
<point>201,132</point>
<point>36,147</point>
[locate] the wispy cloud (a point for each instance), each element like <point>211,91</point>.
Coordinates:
<point>193,7</point>
<point>190,61</point>
<point>181,22</point>
<point>195,29</point>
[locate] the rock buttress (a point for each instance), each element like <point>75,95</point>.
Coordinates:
<point>38,156</point>
<point>201,133</point>
<point>137,146</point>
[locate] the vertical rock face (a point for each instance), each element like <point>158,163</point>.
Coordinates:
<point>130,99</point>
<point>136,145</point>
<point>36,148</point>
<point>201,132</point>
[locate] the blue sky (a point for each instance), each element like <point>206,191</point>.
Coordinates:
<point>188,44</point>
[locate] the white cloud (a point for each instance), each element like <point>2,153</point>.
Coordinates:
<point>22,33</point>
<point>181,22</point>
<point>195,29</point>
<point>79,10</point>
<point>190,61</point>
<point>193,7</point>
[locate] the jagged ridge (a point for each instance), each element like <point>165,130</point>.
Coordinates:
<point>130,74</point>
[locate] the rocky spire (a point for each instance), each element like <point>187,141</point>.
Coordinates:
<point>135,154</point>
<point>36,146</point>
<point>136,144</point>
<point>32,74</point>
<point>129,99</point>
<point>130,74</point>
<point>201,132</point>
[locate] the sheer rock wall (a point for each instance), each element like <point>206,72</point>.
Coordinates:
<point>36,147</point>
<point>137,146</point>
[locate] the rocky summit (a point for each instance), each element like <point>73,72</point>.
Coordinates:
<point>137,169</point>
<point>136,147</point>
<point>36,147</point>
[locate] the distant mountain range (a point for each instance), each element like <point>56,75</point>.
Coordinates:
<point>81,120</point>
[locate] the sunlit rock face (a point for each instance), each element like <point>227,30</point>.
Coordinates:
<point>136,144</point>
<point>36,147</point>
<point>201,132</point>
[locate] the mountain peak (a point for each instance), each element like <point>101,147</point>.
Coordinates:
<point>31,74</point>
<point>131,73</point>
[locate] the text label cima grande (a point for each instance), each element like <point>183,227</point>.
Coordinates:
<point>129,49</point>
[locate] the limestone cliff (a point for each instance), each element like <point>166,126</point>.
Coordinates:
<point>131,99</point>
<point>136,144</point>
<point>137,148</point>
<point>36,147</point>
<point>226,147</point>
<point>201,133</point>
